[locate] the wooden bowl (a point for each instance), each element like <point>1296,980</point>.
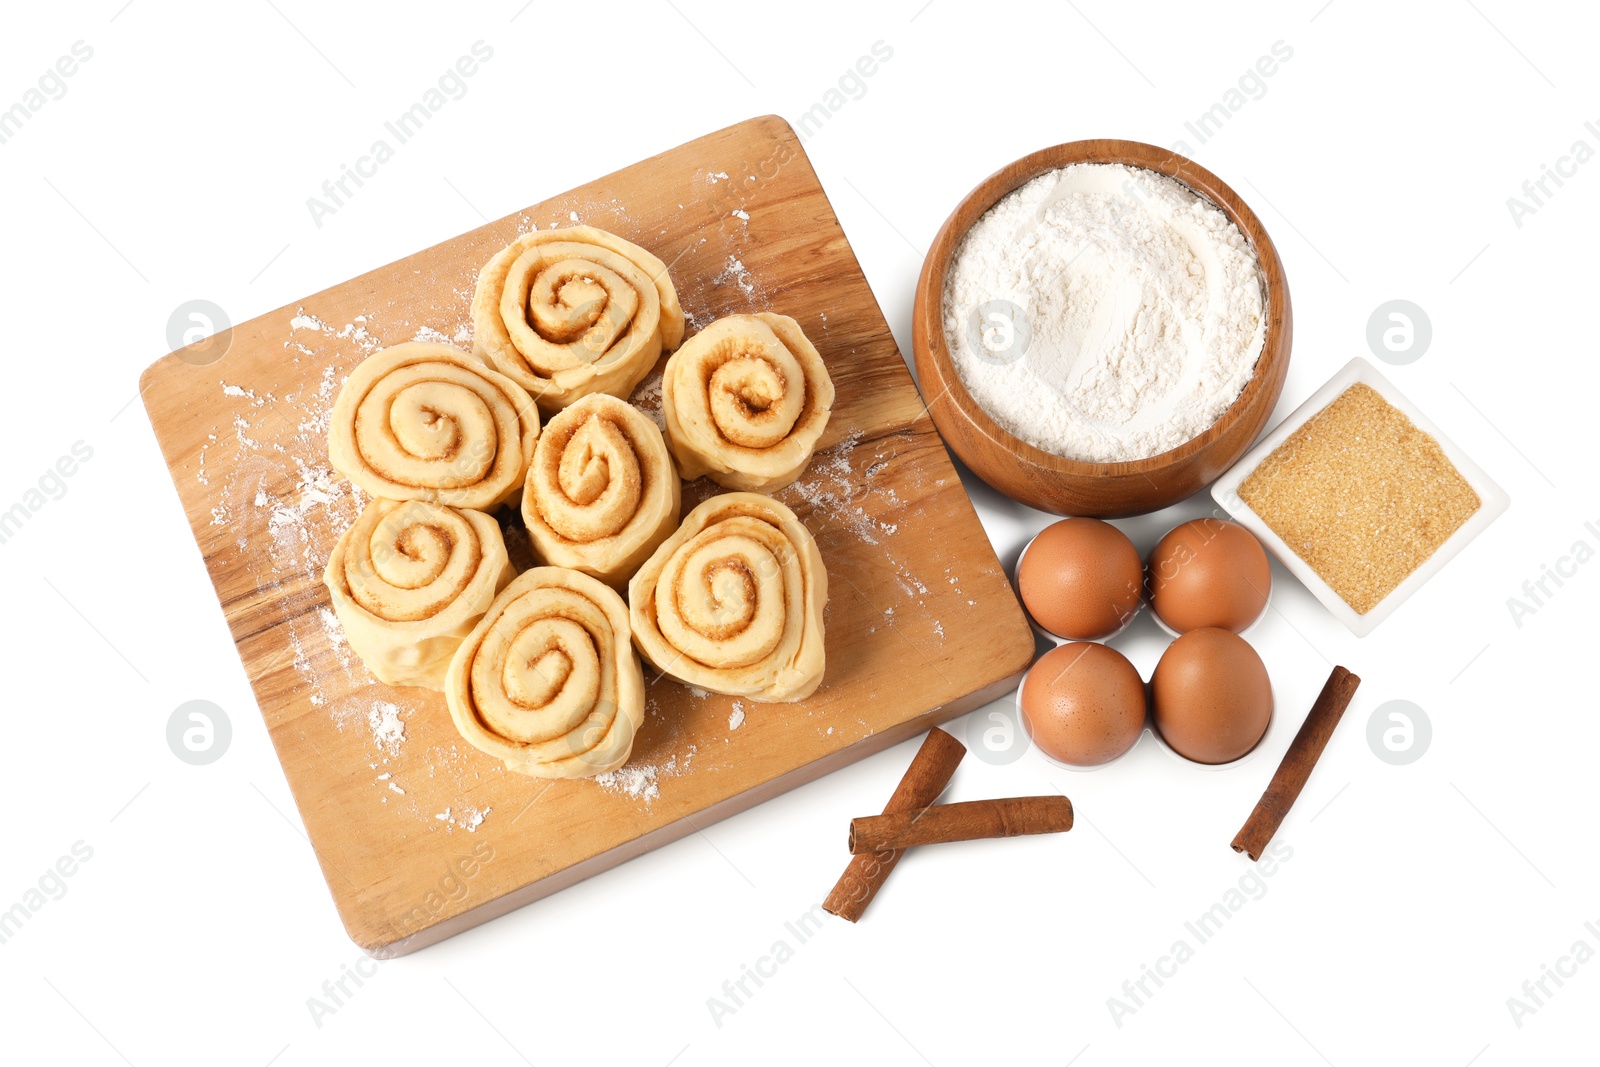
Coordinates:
<point>1078,487</point>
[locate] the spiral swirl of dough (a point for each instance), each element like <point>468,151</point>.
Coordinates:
<point>409,580</point>
<point>429,422</point>
<point>602,492</point>
<point>548,681</point>
<point>746,400</point>
<point>732,602</point>
<point>570,312</point>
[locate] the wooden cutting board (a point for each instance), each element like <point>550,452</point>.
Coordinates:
<point>421,836</point>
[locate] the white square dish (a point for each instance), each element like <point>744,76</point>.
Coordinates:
<point>1493,500</point>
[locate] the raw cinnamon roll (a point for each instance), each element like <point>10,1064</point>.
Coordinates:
<point>732,602</point>
<point>548,681</point>
<point>429,422</point>
<point>575,311</point>
<point>602,492</point>
<point>409,580</point>
<point>745,400</point>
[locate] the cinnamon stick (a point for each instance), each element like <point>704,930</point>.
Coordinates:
<point>967,821</point>
<point>1292,773</point>
<point>924,780</point>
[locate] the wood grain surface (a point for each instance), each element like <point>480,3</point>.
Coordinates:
<point>423,836</point>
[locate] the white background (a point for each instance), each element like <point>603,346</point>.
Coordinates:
<point>1418,898</point>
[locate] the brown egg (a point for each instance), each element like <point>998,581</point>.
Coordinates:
<point>1209,573</point>
<point>1210,696</point>
<point>1083,704</point>
<point>1080,579</point>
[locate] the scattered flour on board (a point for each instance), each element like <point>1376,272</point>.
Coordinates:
<point>316,486</point>
<point>462,338</point>
<point>303,522</point>
<point>633,780</point>
<point>247,394</point>
<point>200,475</point>
<point>383,720</point>
<point>830,488</point>
<point>334,631</point>
<point>388,732</point>
<point>736,273</point>
<point>283,497</point>
<point>300,523</point>
<point>355,331</point>
<point>240,425</point>
<point>736,716</point>
<point>314,420</point>
<point>647,398</point>
<point>642,781</point>
<point>467,818</point>
<point>299,531</point>
<point>302,664</point>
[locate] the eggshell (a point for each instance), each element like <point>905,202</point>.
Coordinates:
<point>1081,579</point>
<point>1209,572</point>
<point>1210,696</point>
<point>1083,704</point>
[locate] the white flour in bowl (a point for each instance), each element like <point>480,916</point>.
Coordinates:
<point>1104,313</point>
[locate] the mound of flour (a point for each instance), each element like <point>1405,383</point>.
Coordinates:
<point>1104,313</point>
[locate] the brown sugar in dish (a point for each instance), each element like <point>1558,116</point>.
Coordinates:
<point>1361,495</point>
